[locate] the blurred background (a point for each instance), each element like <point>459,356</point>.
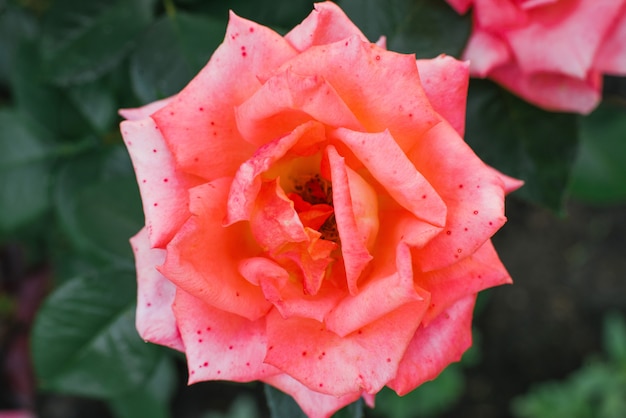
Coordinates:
<point>551,345</point>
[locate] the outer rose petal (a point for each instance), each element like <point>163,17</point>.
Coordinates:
<point>477,272</point>
<point>445,81</point>
<point>435,346</point>
<point>325,25</point>
<point>314,404</point>
<point>144,111</point>
<point>220,345</point>
<point>155,320</point>
<point>163,187</point>
<point>473,193</point>
<point>199,124</point>
<point>324,362</point>
<point>202,258</point>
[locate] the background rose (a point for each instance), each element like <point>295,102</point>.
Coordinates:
<point>313,217</point>
<point>552,53</point>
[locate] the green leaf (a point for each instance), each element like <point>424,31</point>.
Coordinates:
<point>150,400</point>
<point>599,174</point>
<point>171,52</point>
<point>16,26</point>
<point>84,339</point>
<point>426,28</point>
<point>522,141</point>
<point>277,13</point>
<point>98,204</point>
<point>83,40</point>
<point>282,405</point>
<point>51,106</point>
<point>26,157</point>
<point>615,338</point>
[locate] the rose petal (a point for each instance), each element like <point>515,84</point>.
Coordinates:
<point>554,92</point>
<point>482,270</point>
<point>485,52</point>
<point>434,347</point>
<point>388,164</point>
<point>314,404</point>
<point>384,293</point>
<point>569,34</point>
<point>220,345</point>
<point>405,227</point>
<point>247,181</point>
<point>162,186</point>
<point>273,220</point>
<point>364,74</point>
<point>445,81</point>
<point>287,100</point>
<point>472,192</point>
<point>325,25</point>
<point>461,6</point>
<point>202,258</point>
<point>353,245</point>
<point>510,184</point>
<point>611,56</point>
<point>277,229</point>
<point>144,111</point>
<point>199,124</point>
<point>155,320</point>
<point>364,360</point>
<point>287,295</point>
<point>497,14</point>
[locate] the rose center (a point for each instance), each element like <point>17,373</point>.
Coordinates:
<point>313,201</point>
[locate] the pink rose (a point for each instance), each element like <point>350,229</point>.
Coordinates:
<point>314,219</point>
<point>552,53</point>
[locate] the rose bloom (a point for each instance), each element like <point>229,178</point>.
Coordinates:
<point>314,219</point>
<point>551,53</point>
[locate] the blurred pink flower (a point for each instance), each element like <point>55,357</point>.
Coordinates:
<point>552,53</point>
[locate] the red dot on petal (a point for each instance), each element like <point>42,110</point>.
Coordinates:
<point>475,212</point>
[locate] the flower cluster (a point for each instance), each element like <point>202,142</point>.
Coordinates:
<point>314,219</point>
